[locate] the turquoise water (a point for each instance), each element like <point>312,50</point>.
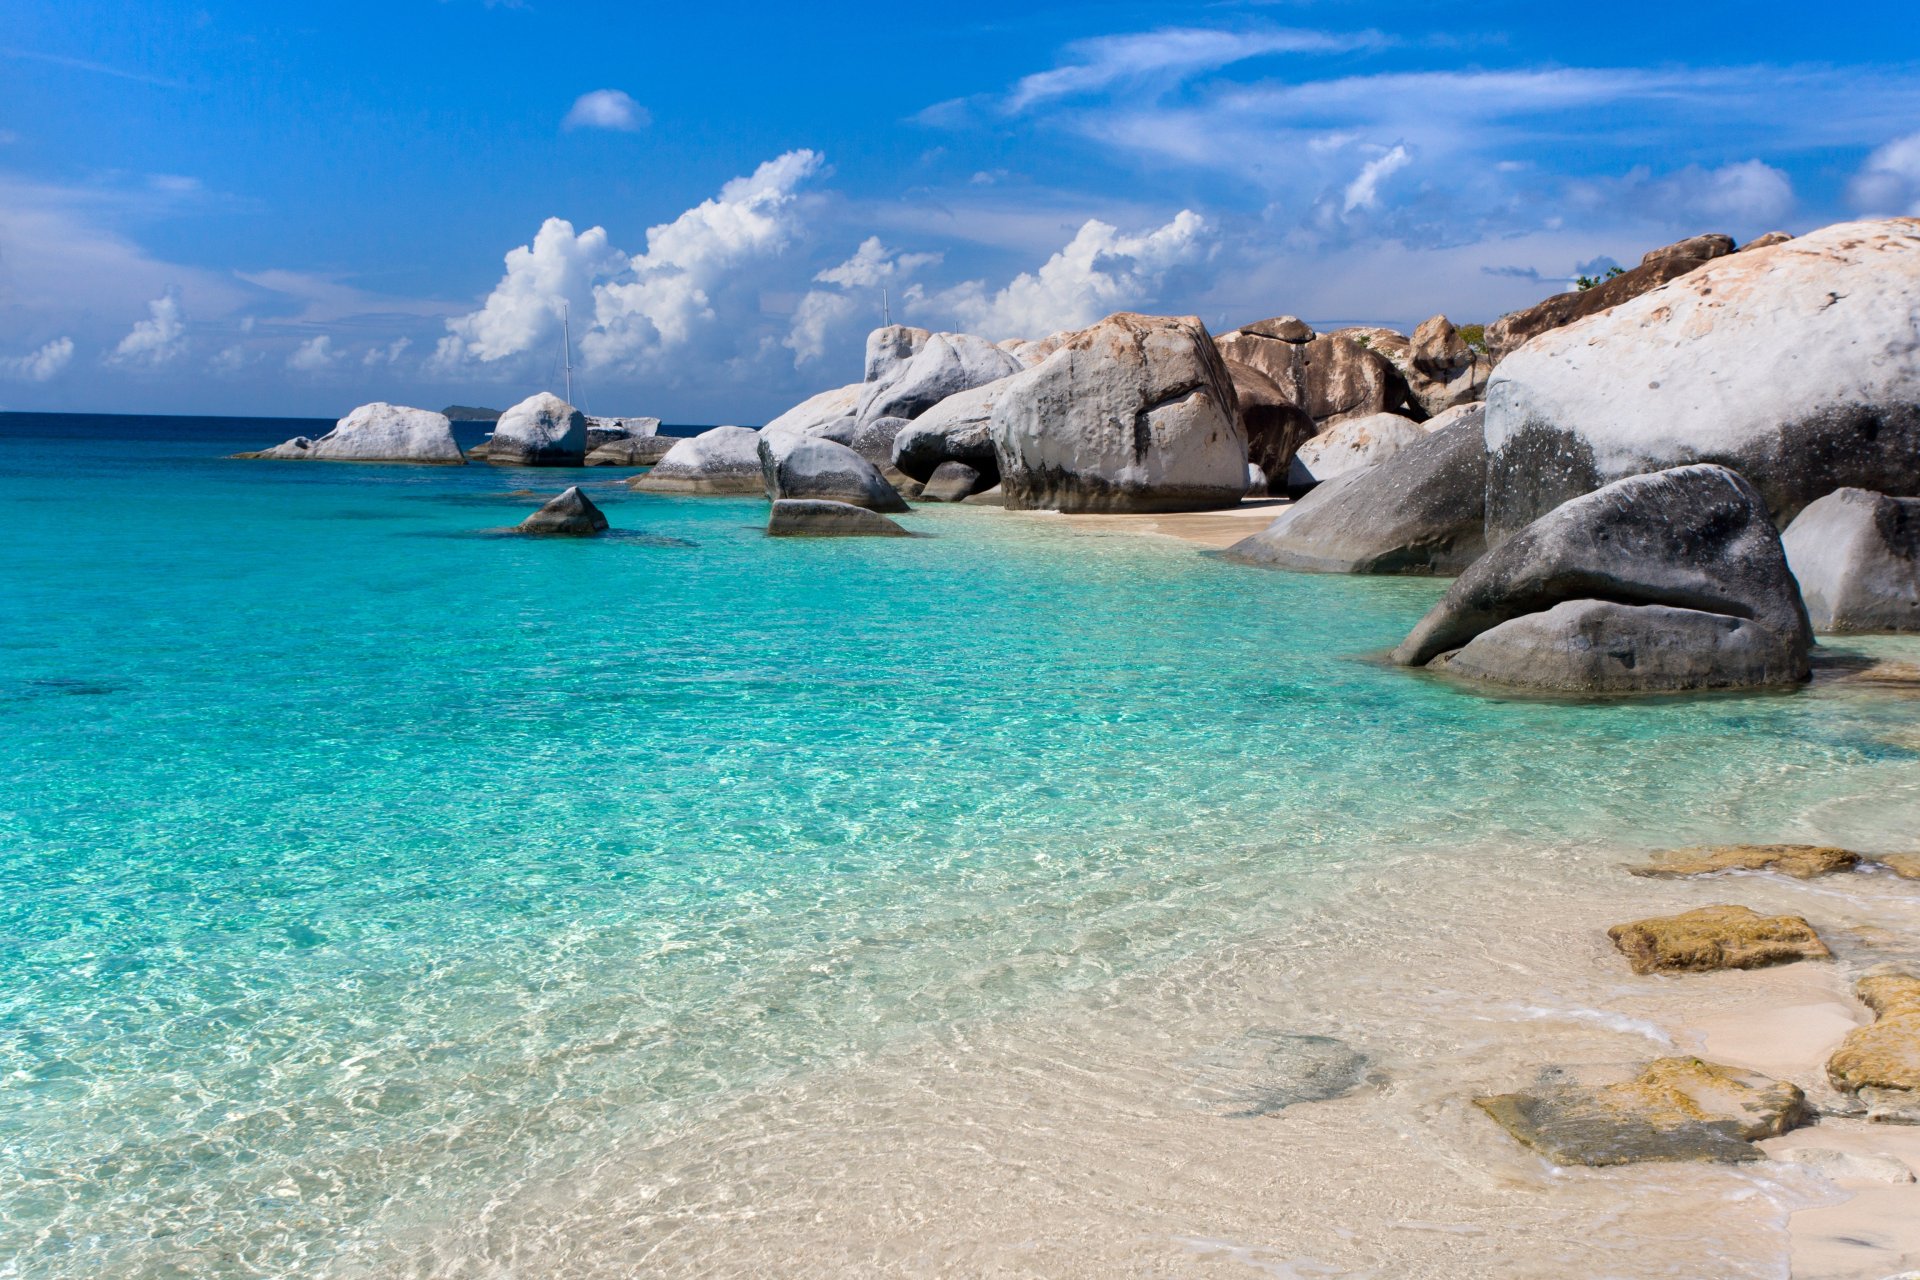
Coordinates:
<point>355,859</point>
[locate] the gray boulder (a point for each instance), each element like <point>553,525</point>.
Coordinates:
<point>821,412</point>
<point>572,514</point>
<point>1694,537</point>
<point>1421,511</point>
<point>1596,647</point>
<point>1795,365</point>
<point>725,460</point>
<point>1349,446</point>
<point>377,432</point>
<point>541,431</point>
<point>636,451</point>
<point>1136,413</point>
<point>1857,557</point>
<point>891,346</point>
<point>951,482</point>
<point>793,466</point>
<point>958,429</point>
<point>948,364</point>
<point>819,518</point>
<point>604,431</point>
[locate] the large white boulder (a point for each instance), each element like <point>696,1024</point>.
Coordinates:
<point>958,429</point>
<point>1796,365</point>
<point>891,346</point>
<point>820,413</point>
<point>795,466</point>
<point>378,432</point>
<point>948,364</point>
<point>1351,445</point>
<point>1136,413</point>
<point>541,431</point>
<point>725,460</point>
<point>1856,556</point>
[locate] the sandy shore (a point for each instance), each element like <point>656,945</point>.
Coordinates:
<point>1211,529</point>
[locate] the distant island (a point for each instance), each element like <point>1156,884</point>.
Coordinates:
<point>470,413</point>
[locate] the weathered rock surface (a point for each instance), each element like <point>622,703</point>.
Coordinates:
<point>1032,353</point>
<point>819,518</point>
<point>951,482</point>
<point>1856,555</point>
<point>1904,865</point>
<point>1848,1166</point>
<point>1329,377</point>
<point>725,460</point>
<point>1420,511</point>
<point>636,451</point>
<point>795,466</point>
<point>1881,1062</point>
<point>541,431</point>
<point>958,429</point>
<point>1801,861</point>
<point>605,431</point>
<point>1766,241</point>
<point>1136,413</point>
<point>1715,938</point>
<point>572,513</point>
<point>1675,1109</point>
<point>1275,427</point>
<point>946,365</point>
<point>1692,538</point>
<point>377,432</point>
<point>1284,328</point>
<point>1599,647</point>
<point>1442,371</point>
<point>1795,366</point>
<point>1509,332</point>
<point>1350,445</point>
<point>821,412</point>
<point>891,346</point>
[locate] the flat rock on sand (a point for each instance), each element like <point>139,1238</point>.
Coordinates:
<point>1713,938</point>
<point>1881,1062</point>
<point>1801,861</point>
<point>1675,1109</point>
<point>1904,865</point>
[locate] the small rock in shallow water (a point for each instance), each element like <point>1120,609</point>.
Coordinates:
<point>1881,1062</point>
<point>819,518</point>
<point>1268,1071</point>
<point>1904,865</point>
<point>1676,1109</point>
<point>572,514</point>
<point>1719,937</point>
<point>1801,861</point>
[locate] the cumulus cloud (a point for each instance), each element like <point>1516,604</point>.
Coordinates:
<point>1364,191</point>
<point>607,109</point>
<point>1099,271</point>
<point>158,340</point>
<point>1889,182</point>
<point>42,365</point>
<point>313,356</point>
<point>1744,194</point>
<point>389,354</point>
<point>873,264</point>
<point>231,359</point>
<point>823,311</point>
<point>695,279</point>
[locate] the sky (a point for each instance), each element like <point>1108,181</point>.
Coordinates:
<point>291,209</point>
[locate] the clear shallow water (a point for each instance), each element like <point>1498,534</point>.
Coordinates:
<point>356,862</point>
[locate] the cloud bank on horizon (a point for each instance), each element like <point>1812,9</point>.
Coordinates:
<point>719,260</point>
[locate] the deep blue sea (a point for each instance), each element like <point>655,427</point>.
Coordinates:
<point>357,857</point>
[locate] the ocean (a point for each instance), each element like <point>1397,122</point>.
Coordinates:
<point>373,882</point>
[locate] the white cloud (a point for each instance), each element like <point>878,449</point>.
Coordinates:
<point>313,356</point>
<point>822,311</point>
<point>874,264</point>
<point>42,365</point>
<point>156,341</point>
<point>1099,271</point>
<point>814,321</point>
<point>1171,54</point>
<point>1744,194</point>
<point>231,359</point>
<point>1889,182</point>
<point>389,354</point>
<point>1364,191</point>
<point>607,109</point>
<point>699,278</point>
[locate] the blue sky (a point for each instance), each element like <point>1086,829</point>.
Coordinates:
<point>241,208</point>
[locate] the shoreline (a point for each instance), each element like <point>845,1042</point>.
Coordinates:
<point>1213,530</point>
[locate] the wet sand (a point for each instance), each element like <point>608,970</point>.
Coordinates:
<point>1212,529</point>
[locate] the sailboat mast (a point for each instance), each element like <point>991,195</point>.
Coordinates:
<point>566,342</point>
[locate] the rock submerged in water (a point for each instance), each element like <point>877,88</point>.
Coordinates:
<point>1420,511</point>
<point>1856,555</point>
<point>1880,1063</point>
<point>796,466</point>
<point>378,432</point>
<point>723,461</point>
<point>1801,861</point>
<point>541,431</point>
<point>1715,938</point>
<point>1267,1071</point>
<point>819,518</point>
<point>1691,540</point>
<point>572,514</point>
<point>1135,413</point>
<point>1794,366</point>
<point>1675,1109</point>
